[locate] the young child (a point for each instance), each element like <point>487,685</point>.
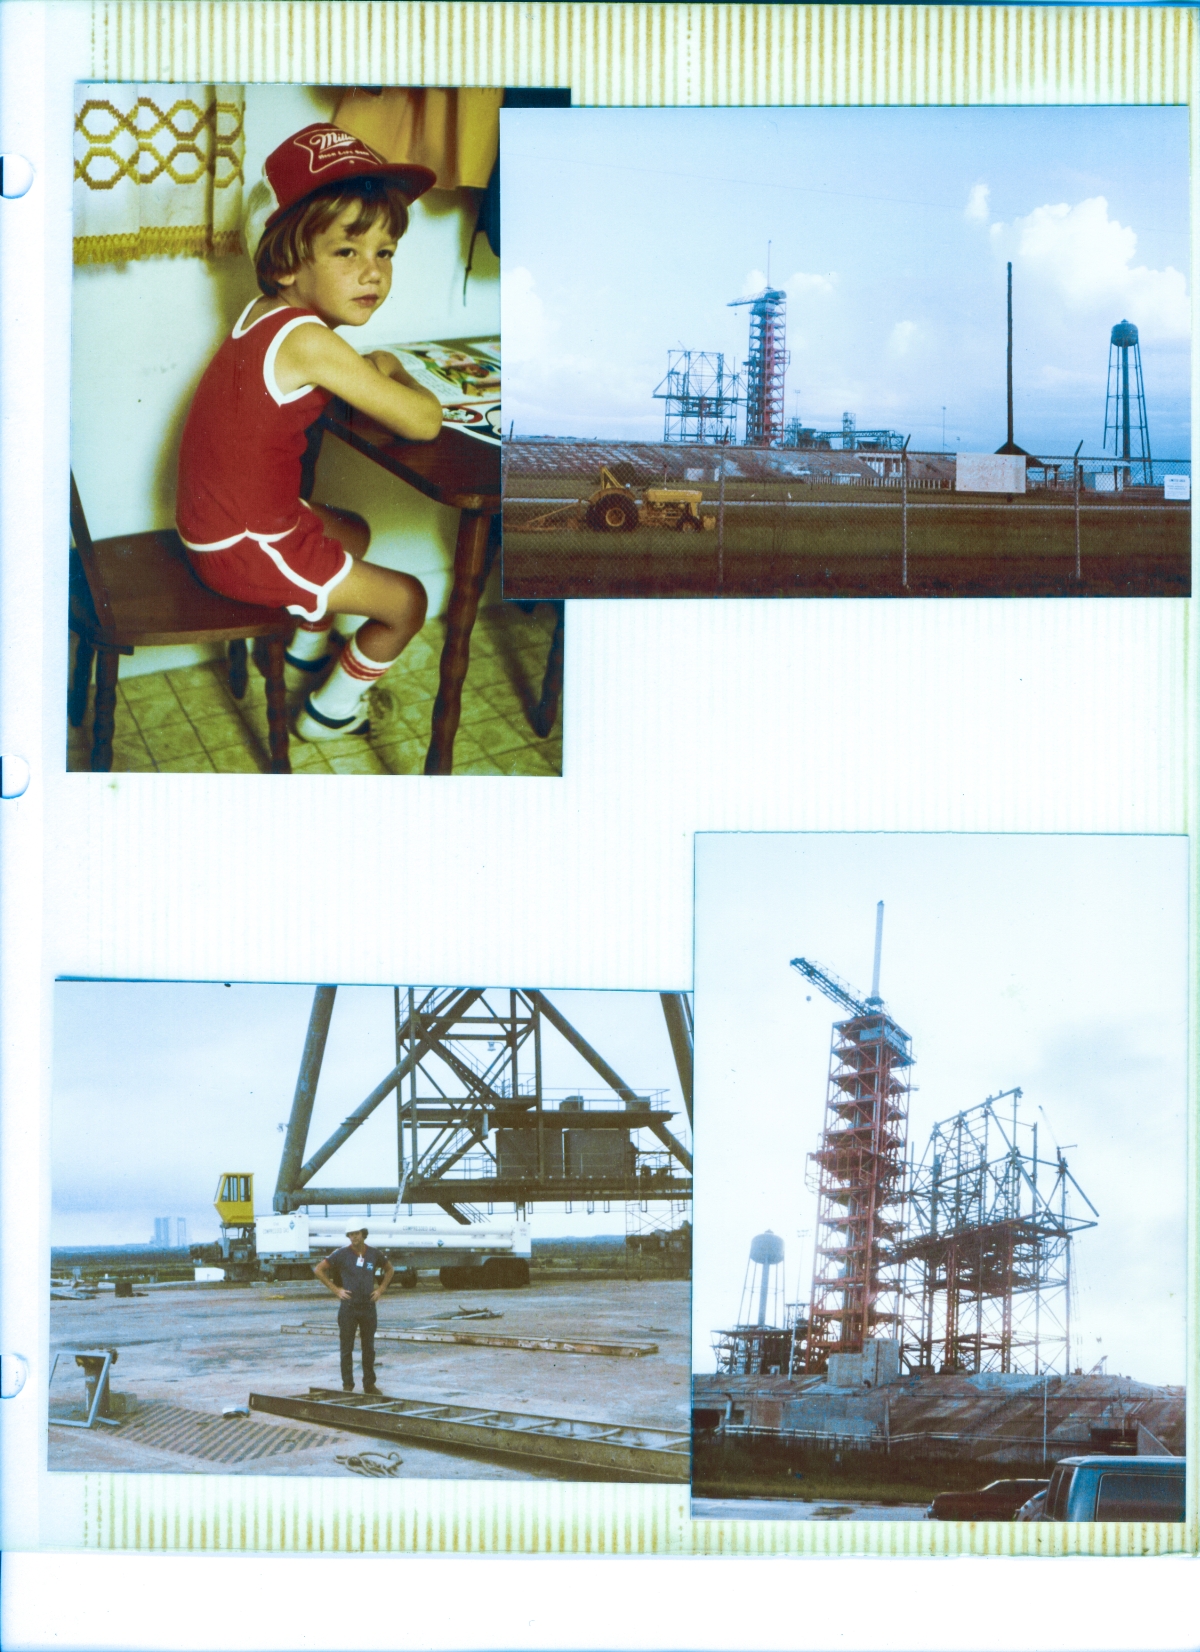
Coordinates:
<point>322,227</point>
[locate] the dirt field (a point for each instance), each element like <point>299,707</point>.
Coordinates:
<point>185,1352</point>
<point>826,545</point>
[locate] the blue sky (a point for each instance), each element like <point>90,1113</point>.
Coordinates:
<point>159,1087</point>
<point>1056,964</point>
<point>627,233</point>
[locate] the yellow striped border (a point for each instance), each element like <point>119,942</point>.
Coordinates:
<point>638,55</point>
<point>207,1514</point>
<point>666,54</point>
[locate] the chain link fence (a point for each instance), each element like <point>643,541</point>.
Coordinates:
<point>586,518</point>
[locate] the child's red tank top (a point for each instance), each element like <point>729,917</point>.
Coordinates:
<point>239,463</point>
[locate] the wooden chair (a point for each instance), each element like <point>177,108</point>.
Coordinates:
<point>138,591</point>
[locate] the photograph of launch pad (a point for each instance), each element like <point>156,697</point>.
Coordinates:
<point>518,1160</point>
<point>946,1285</point>
<point>921,352</point>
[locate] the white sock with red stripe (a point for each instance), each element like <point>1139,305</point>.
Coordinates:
<point>349,680</point>
<point>310,644</point>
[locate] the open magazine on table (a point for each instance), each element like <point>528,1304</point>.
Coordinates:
<point>464,375</point>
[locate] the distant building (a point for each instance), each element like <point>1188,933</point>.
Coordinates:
<point>162,1233</point>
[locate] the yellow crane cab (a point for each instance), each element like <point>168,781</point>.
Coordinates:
<point>234,1201</point>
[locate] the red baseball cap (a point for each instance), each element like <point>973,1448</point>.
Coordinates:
<point>312,158</point>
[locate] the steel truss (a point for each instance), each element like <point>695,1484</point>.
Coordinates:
<point>473,1120</point>
<point>702,397</point>
<point>857,1289</point>
<point>988,1252</point>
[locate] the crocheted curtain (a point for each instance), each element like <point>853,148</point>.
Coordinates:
<point>158,171</point>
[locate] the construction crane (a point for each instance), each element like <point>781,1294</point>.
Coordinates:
<point>857,1285</point>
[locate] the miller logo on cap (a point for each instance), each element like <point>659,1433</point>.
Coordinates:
<point>310,160</point>
<point>328,146</point>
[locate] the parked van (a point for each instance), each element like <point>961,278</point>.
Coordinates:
<point>1116,1488</point>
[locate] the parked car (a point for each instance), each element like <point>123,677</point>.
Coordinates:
<point>1116,1488</point>
<point>1033,1509</point>
<point>998,1501</point>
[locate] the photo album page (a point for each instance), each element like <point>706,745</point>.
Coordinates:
<point>599,766</point>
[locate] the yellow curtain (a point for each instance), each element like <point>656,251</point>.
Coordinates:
<point>158,171</point>
<point>454,132</point>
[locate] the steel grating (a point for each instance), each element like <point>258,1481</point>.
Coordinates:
<point>624,1452</point>
<point>216,1439</point>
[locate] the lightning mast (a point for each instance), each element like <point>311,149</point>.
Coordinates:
<point>857,1286</point>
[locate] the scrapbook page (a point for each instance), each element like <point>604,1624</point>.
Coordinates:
<point>323,1252</point>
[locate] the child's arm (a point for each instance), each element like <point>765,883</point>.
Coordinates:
<point>316,355</point>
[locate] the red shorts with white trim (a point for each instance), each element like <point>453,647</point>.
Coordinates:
<point>295,570</point>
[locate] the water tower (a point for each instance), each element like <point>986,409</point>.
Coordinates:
<point>759,1344</point>
<point>1125,404</point>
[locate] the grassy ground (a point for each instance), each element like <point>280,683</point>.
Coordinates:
<point>830,546</point>
<point>758,1468</point>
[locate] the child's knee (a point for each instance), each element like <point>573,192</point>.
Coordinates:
<point>415,599</point>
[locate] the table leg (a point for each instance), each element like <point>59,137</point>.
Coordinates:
<point>238,673</point>
<point>277,729</point>
<point>470,572</point>
<point>547,708</point>
<point>105,710</point>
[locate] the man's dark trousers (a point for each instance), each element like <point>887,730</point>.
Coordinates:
<point>360,1316</point>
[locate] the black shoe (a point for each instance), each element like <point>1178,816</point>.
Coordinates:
<point>311,666</point>
<point>347,1388</point>
<point>370,1388</point>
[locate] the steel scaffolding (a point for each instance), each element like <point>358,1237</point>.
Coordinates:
<point>474,1122</point>
<point>857,1288</point>
<point>988,1249</point>
<point>766,367</point>
<point>702,397</point>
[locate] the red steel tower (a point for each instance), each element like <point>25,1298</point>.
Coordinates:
<point>766,366</point>
<point>857,1287</point>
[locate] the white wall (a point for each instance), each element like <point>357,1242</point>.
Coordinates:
<point>143,333</point>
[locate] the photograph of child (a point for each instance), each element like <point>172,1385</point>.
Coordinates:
<point>363,579</point>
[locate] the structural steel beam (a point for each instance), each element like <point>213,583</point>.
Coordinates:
<point>306,1093</point>
<point>492,1339</point>
<point>401,1071</point>
<point>678,1015</point>
<point>613,1079</point>
<point>505,1190</point>
<point>623,1453</point>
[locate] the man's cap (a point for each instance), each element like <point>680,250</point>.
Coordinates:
<point>309,160</point>
<point>363,1231</point>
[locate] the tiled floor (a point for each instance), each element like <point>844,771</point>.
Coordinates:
<point>187,722</point>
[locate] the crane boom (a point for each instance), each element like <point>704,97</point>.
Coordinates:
<point>839,991</point>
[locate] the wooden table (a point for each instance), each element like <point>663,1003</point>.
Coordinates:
<point>464,473</point>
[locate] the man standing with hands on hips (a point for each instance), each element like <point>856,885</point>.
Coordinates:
<point>350,1273</point>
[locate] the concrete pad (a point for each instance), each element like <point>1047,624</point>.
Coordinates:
<point>199,1348</point>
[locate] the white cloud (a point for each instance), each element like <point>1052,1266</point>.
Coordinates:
<point>1086,258</point>
<point>801,285</point>
<point>798,285</point>
<point>900,338</point>
<point>526,327</point>
<point>976,211</point>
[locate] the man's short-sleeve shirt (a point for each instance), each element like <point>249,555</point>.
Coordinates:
<point>355,1273</point>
